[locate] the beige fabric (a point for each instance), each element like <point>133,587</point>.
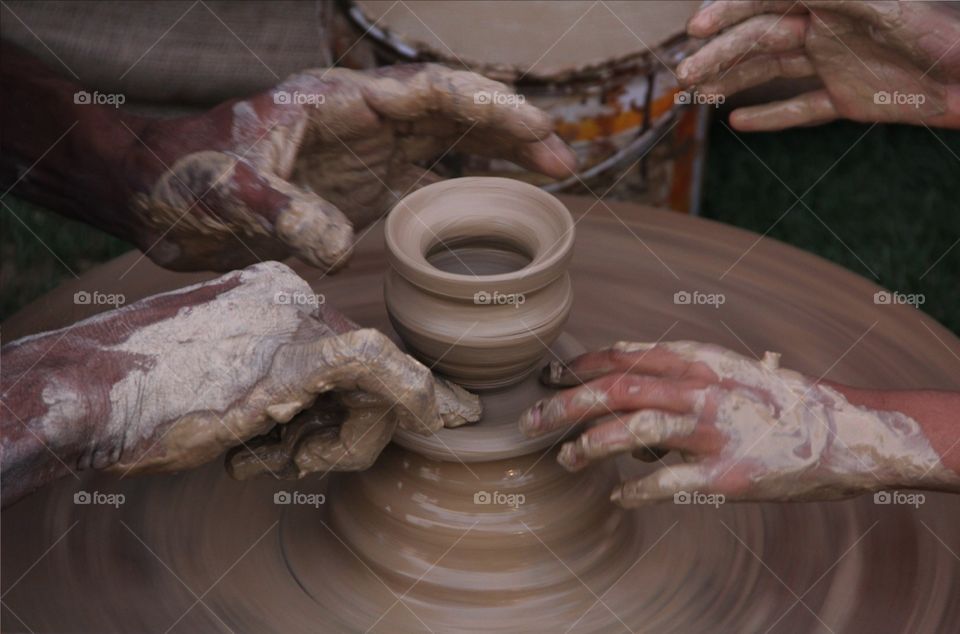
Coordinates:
<point>537,38</point>
<point>173,52</point>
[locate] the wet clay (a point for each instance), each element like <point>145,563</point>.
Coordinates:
<point>505,516</point>
<point>481,330</point>
<point>420,552</point>
<point>478,290</point>
<point>451,246</point>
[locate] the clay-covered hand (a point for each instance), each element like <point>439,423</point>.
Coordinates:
<point>174,380</point>
<point>747,429</point>
<point>877,61</point>
<point>297,169</point>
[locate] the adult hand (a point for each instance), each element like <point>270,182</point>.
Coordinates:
<point>878,61</point>
<point>170,382</point>
<point>297,169</point>
<point>747,429</point>
<point>291,171</point>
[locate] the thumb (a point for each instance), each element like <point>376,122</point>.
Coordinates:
<point>314,229</point>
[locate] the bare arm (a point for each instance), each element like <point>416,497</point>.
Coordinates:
<point>935,411</point>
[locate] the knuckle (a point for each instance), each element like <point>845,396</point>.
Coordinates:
<point>629,387</point>
<point>645,433</point>
<point>198,173</point>
<point>371,344</point>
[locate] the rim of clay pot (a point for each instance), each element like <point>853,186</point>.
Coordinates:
<point>525,217</point>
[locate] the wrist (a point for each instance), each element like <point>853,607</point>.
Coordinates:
<point>899,438</point>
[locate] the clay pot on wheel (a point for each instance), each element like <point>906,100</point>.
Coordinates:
<point>479,287</point>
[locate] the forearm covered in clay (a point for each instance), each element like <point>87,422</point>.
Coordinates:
<point>102,392</point>
<point>172,381</point>
<point>793,438</point>
<point>44,427</point>
<point>932,417</point>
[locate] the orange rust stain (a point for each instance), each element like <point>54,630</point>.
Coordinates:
<point>618,121</point>
<point>681,182</point>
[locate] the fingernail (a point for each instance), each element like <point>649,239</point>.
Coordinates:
<point>568,456</point>
<point>530,420</point>
<point>553,373</point>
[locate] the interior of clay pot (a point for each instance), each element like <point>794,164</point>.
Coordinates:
<point>478,256</point>
<point>476,215</point>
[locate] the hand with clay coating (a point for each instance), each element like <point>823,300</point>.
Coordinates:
<point>877,61</point>
<point>746,429</point>
<point>295,170</point>
<point>253,360</point>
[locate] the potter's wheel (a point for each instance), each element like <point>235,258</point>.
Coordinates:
<point>200,552</point>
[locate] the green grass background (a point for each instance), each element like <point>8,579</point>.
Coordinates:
<point>892,199</point>
<point>890,205</point>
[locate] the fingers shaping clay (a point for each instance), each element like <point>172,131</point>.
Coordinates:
<point>478,290</point>
<point>417,544</point>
